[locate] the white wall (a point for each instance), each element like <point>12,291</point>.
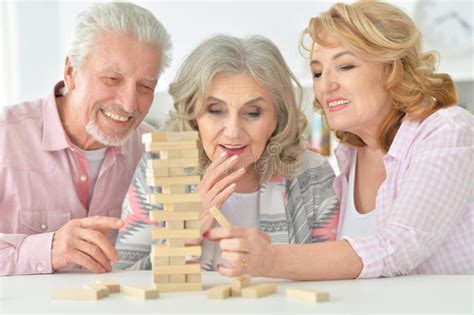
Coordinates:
<point>44,28</point>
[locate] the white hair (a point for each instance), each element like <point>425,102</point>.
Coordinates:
<point>121,17</point>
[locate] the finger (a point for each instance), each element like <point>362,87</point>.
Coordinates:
<point>213,175</point>
<point>95,253</point>
<point>235,245</point>
<point>265,236</point>
<point>100,222</point>
<point>219,233</point>
<point>225,182</point>
<point>229,271</point>
<point>215,163</point>
<point>233,259</point>
<point>222,196</point>
<point>86,261</point>
<point>100,241</point>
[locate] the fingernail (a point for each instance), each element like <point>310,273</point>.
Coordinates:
<point>241,171</point>
<point>205,234</point>
<point>234,157</point>
<point>223,154</point>
<point>219,266</point>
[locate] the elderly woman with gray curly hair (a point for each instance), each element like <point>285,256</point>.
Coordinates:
<point>242,98</point>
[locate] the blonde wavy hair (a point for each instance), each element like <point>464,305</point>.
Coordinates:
<point>259,57</point>
<point>381,32</point>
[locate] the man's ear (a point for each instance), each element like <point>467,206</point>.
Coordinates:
<point>69,74</point>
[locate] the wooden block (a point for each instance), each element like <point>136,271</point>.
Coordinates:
<point>259,290</point>
<point>102,289</point>
<point>190,206</point>
<point>173,181</point>
<point>220,218</point>
<point>177,278</point>
<point>175,243</point>
<point>174,270</point>
<point>161,233</point>
<point>179,189</point>
<point>169,136</point>
<point>172,172</point>
<point>189,153</point>
<point>76,294</point>
<point>171,146</point>
<point>157,216</point>
<point>175,198</point>
<point>174,225</point>
<point>178,287</point>
<point>192,224</point>
<point>162,279</point>
<point>238,283</point>
<point>193,277</point>
<point>172,163</point>
<point>178,261</point>
<point>141,292</point>
<point>165,251</point>
<point>219,292</point>
<point>114,287</point>
<point>159,261</point>
<point>307,295</point>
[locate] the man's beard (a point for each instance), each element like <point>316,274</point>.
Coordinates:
<point>98,135</point>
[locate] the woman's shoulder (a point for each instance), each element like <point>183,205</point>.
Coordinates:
<point>312,164</point>
<point>450,117</point>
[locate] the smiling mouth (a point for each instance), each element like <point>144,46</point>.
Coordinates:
<point>233,149</point>
<point>115,117</point>
<point>338,103</point>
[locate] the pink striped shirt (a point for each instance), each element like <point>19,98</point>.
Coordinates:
<point>44,182</point>
<point>424,208</point>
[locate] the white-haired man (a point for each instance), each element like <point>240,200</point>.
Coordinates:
<point>66,161</point>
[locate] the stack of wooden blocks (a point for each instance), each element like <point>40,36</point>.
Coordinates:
<point>174,171</point>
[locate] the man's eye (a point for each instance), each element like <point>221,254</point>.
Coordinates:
<point>110,80</point>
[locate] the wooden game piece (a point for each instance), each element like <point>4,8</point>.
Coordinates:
<point>175,198</point>
<point>189,206</point>
<point>307,295</point>
<point>181,278</point>
<point>259,290</point>
<point>238,283</point>
<point>165,251</point>
<point>193,277</point>
<point>169,136</point>
<point>173,181</point>
<point>173,270</point>
<point>141,292</point>
<point>220,218</point>
<point>175,242</point>
<point>179,287</point>
<point>192,224</point>
<point>103,290</point>
<point>188,153</point>
<point>178,260</point>
<point>174,163</point>
<point>114,287</point>
<point>219,292</point>
<point>156,216</point>
<point>160,233</point>
<point>170,146</point>
<point>77,294</point>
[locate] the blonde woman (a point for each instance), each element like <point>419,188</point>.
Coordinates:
<point>240,96</point>
<point>406,153</point>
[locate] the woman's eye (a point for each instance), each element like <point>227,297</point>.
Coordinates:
<point>214,111</point>
<point>346,67</point>
<point>316,75</point>
<point>254,114</point>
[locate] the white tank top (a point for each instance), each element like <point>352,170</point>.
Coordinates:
<point>355,223</point>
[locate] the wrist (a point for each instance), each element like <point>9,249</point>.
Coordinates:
<point>271,257</point>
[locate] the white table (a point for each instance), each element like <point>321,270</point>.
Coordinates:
<point>409,294</point>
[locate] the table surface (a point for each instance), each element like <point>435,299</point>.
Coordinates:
<point>408,294</point>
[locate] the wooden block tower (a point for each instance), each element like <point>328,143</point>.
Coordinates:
<point>174,171</point>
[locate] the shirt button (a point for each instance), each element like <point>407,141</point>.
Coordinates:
<point>391,250</point>
<point>39,267</point>
<point>83,178</point>
<point>43,227</point>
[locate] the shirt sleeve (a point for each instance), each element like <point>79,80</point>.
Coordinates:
<point>23,254</point>
<point>433,195</point>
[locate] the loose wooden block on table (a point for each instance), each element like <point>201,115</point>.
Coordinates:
<point>113,286</point>
<point>220,218</point>
<point>238,283</point>
<point>307,295</point>
<point>77,294</point>
<point>141,292</point>
<point>103,290</point>
<point>259,290</point>
<point>219,292</point>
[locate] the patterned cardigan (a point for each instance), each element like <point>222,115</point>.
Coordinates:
<point>303,209</point>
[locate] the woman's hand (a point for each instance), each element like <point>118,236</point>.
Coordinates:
<point>217,185</point>
<point>246,250</point>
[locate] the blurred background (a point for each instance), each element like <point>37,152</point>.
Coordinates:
<point>34,36</point>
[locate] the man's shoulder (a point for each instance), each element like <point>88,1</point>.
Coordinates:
<point>21,113</point>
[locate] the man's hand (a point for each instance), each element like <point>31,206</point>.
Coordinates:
<point>84,242</point>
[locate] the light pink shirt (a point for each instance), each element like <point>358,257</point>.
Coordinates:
<point>44,183</point>
<point>424,208</point>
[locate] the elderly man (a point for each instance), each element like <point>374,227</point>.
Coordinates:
<point>66,161</point>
